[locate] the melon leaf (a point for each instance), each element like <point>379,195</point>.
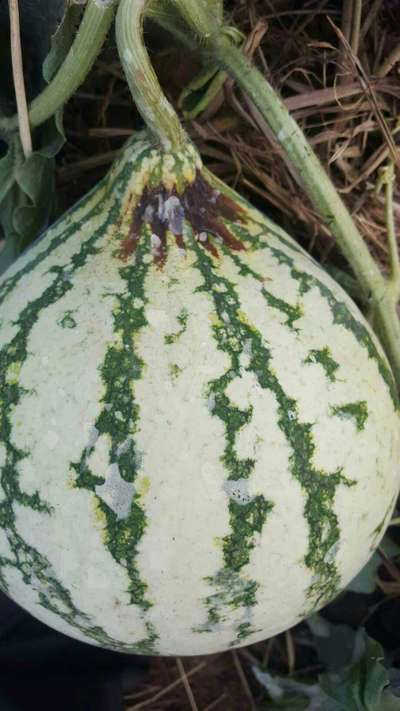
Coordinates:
<point>27,190</point>
<point>27,187</point>
<point>362,686</point>
<point>365,581</point>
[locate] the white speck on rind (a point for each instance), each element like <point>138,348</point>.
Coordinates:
<point>160,211</point>
<point>124,446</point>
<point>155,242</point>
<point>331,553</point>
<point>67,275</point>
<point>148,213</point>
<point>244,360</point>
<point>203,236</point>
<point>211,402</point>
<point>173,215</point>
<point>281,135</point>
<point>38,585</point>
<point>3,455</point>
<point>238,490</point>
<point>220,287</point>
<point>248,346</point>
<point>138,303</point>
<point>93,437</point>
<point>116,492</point>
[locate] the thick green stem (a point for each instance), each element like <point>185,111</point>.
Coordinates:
<point>389,178</point>
<point>311,174</point>
<point>157,112</point>
<point>169,18</point>
<point>171,21</point>
<point>92,32</point>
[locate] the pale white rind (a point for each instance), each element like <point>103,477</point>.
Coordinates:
<point>181,482</point>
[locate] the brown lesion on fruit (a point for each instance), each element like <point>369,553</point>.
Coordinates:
<point>203,207</point>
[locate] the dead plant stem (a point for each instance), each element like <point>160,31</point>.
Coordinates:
<point>18,76</point>
<point>389,62</point>
<point>394,258</point>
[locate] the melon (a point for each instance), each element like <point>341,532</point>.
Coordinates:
<point>199,430</point>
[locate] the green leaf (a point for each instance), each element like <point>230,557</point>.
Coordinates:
<point>362,686</point>
<point>365,581</point>
<point>27,187</point>
<point>389,702</point>
<point>6,172</point>
<point>336,645</point>
<point>27,190</point>
<point>290,694</point>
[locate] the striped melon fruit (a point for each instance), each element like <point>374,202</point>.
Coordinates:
<point>199,431</point>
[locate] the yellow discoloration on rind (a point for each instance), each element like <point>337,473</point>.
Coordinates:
<point>13,373</point>
<point>143,485</point>
<point>215,320</point>
<point>100,518</point>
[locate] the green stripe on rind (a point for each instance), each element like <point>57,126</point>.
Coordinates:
<point>292,313</point>
<point>118,420</point>
<point>357,411</point>
<point>120,174</point>
<point>341,313</point>
<point>182,319</point>
<point>34,567</point>
<point>343,317</point>
<point>324,358</point>
<point>246,519</point>
<point>319,486</point>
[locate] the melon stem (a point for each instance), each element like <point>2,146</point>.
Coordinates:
<point>157,112</point>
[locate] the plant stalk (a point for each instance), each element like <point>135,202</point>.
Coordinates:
<point>312,175</point>
<point>155,109</point>
<point>394,256</point>
<point>18,76</point>
<point>89,39</point>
